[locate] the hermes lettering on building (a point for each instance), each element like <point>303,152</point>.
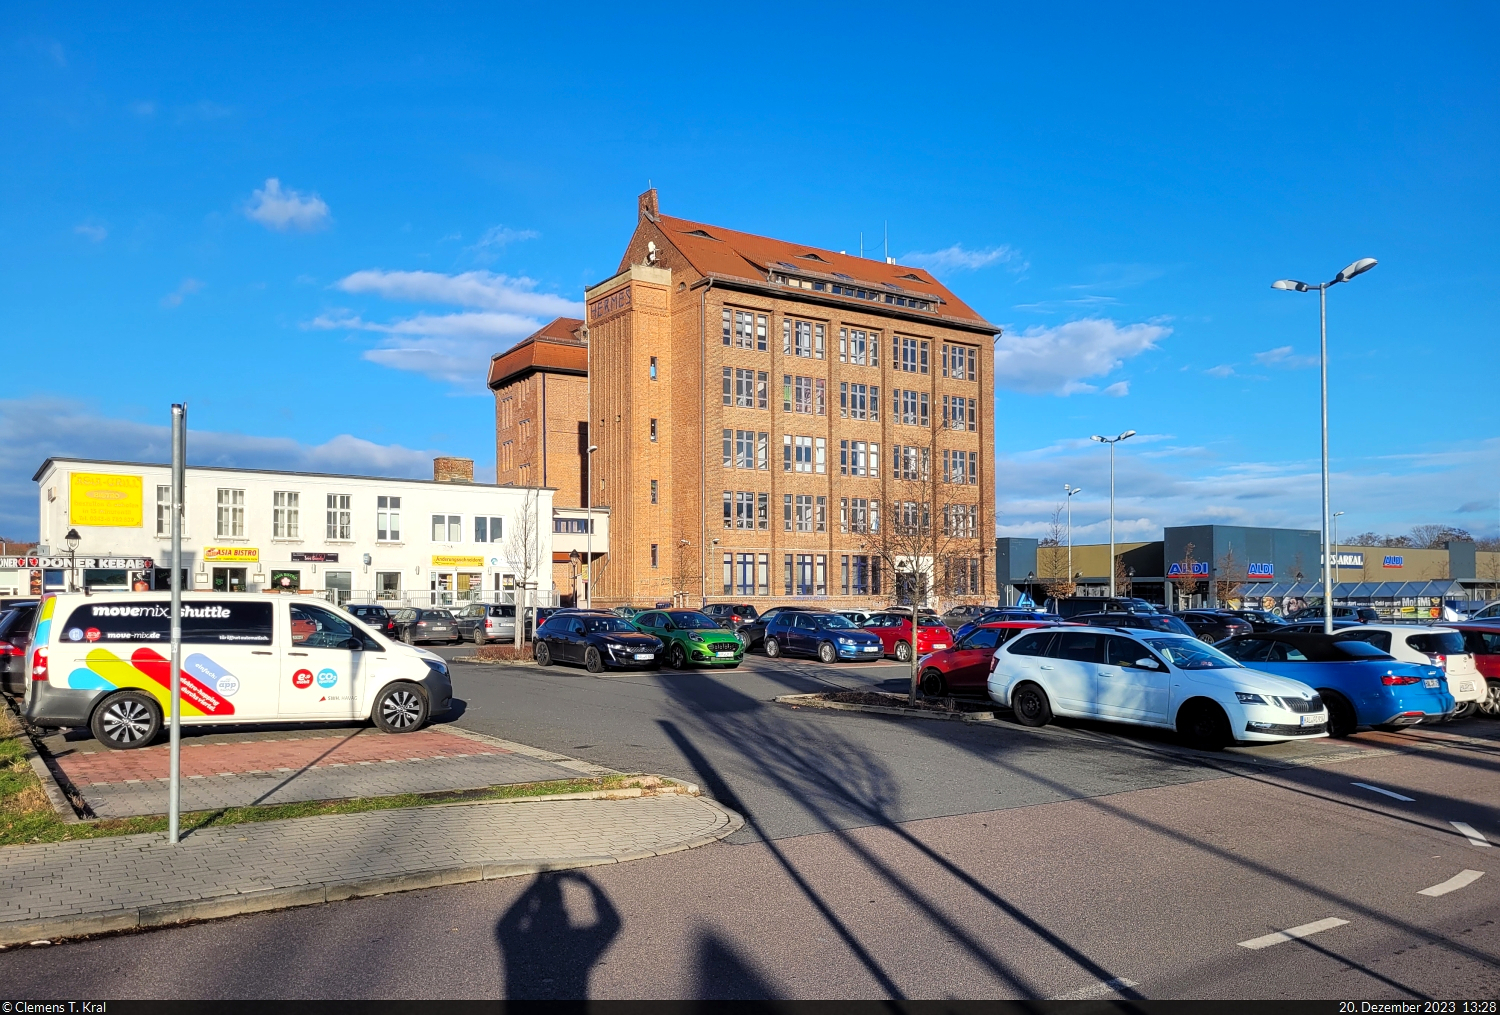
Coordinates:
<point>616,302</point>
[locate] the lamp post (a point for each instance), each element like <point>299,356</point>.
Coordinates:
<point>1335,547</point>
<point>1359,267</point>
<point>72,539</point>
<point>588,531</point>
<point>1112,441</point>
<point>1070,491</point>
<point>1031,587</point>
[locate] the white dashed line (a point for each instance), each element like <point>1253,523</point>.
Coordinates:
<point>1307,929</point>
<point>1114,986</point>
<point>1471,833</point>
<point>1453,884</point>
<point>1384,792</point>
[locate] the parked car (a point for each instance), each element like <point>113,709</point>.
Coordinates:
<point>482,622</point>
<point>414,626</point>
<point>1071,607</point>
<point>1312,626</point>
<point>732,616</point>
<point>754,633</point>
<point>1005,613</point>
<point>964,613</point>
<point>628,612</point>
<point>828,636</point>
<point>692,638</point>
<point>964,668</point>
<point>1482,641</point>
<point>1164,622</point>
<point>15,638</point>
<point>894,631</point>
<point>855,617</point>
<point>1361,685</point>
<point>1260,620</point>
<point>101,661</point>
<point>1213,626</point>
<point>1172,681</point>
<point>1488,613</point>
<point>1359,614</point>
<point>373,616</point>
<point>1442,647</point>
<point>596,640</point>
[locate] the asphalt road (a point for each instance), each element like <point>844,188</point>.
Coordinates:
<point>900,858</point>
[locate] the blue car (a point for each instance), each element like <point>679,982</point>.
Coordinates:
<point>1361,685</point>
<point>1005,613</point>
<point>827,636</point>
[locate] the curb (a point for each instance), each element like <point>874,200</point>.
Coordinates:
<point>50,786</point>
<point>240,904</point>
<point>816,701</point>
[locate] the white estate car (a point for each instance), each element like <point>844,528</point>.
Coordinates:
<point>103,661</point>
<point>1151,679</point>
<point>1442,647</point>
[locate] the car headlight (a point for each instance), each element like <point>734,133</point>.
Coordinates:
<point>614,646</point>
<point>437,666</point>
<point>846,641</point>
<point>695,637</point>
<point>1246,698</point>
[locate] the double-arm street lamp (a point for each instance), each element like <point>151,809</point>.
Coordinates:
<point>1112,441</point>
<point>1359,267</point>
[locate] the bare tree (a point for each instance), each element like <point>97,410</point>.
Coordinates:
<point>1185,582</point>
<point>523,552</point>
<point>1052,557</point>
<point>1230,578</point>
<point>685,573</point>
<point>1124,580</point>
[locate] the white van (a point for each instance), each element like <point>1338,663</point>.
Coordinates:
<point>103,661</point>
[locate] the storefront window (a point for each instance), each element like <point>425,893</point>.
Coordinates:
<point>286,581</point>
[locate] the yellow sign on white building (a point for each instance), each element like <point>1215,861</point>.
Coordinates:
<point>104,499</point>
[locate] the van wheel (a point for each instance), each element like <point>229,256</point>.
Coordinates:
<point>592,661</point>
<point>1203,724</point>
<point>827,653</point>
<point>772,647</point>
<point>478,635</point>
<point>1341,718</point>
<point>1029,703</point>
<point>400,708</point>
<point>126,721</point>
<point>542,654</point>
<point>932,683</point>
<point>903,651</point>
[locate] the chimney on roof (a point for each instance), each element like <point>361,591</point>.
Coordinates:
<point>453,470</point>
<point>648,207</point>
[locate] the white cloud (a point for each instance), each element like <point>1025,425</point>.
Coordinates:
<point>1119,389</point>
<point>33,429</point>
<point>479,289</point>
<point>281,210</point>
<point>956,258</point>
<point>90,231</point>
<point>496,239</point>
<point>1282,356</point>
<point>175,298</point>
<point>1056,360</point>
<point>1222,370</point>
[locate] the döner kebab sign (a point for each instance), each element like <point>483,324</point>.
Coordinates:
<point>53,563</point>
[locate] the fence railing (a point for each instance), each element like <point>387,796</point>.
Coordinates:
<point>438,597</point>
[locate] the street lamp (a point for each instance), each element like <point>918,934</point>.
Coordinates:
<point>72,539</point>
<point>1112,441</point>
<point>1030,588</point>
<point>1359,267</point>
<point>1070,491</point>
<point>1335,543</point>
<point>588,531</point>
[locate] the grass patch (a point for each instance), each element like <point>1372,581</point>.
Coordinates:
<point>26,817</point>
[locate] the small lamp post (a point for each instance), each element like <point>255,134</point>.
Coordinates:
<point>72,539</point>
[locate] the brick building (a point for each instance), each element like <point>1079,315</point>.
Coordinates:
<point>783,422</point>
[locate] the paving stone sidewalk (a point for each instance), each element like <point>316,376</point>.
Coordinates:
<point>99,885</point>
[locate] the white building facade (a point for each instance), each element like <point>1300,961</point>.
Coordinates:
<point>341,537</point>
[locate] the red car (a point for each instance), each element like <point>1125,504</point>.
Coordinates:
<point>894,631</point>
<point>1483,642</point>
<point>965,668</point>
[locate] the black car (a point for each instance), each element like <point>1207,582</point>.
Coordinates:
<point>732,616</point>
<point>1261,620</point>
<point>375,617</point>
<point>414,625</point>
<point>1212,626</point>
<point>754,633</point>
<point>15,639</point>
<point>1359,614</point>
<point>966,613</point>
<point>1315,626</point>
<point>1137,621</point>
<point>1074,605</point>
<point>597,640</point>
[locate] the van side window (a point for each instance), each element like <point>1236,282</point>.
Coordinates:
<point>313,627</point>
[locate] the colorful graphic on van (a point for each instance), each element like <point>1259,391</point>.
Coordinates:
<point>327,678</point>
<point>147,670</point>
<point>44,623</point>
<point>302,679</point>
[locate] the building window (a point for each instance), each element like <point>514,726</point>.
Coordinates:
<point>653,429</point>
<point>804,512</point>
<point>763,450</point>
<point>744,510</point>
<point>820,515</point>
<point>339,523</point>
<point>912,463</point>
<point>653,491</point>
<point>960,362</point>
<point>744,449</point>
<point>728,449</point>
<point>163,510</point>
<point>746,389</point>
<point>854,515</point>
<point>231,514</point>
<point>911,407</point>
<point>910,354</point>
<point>859,347</point>
<point>804,394</point>
<point>447,528</point>
<point>961,467</point>
<point>961,520</point>
<point>388,518</point>
<point>962,576</point>
<point>856,458</point>
<point>729,509</point>
<point>960,413</point>
<point>859,401</point>
<point>861,575</point>
<point>745,330</point>
<point>487,529</point>
<point>577,526</point>
<point>653,377</point>
<point>653,555</point>
<point>762,511</point>
<point>802,338</point>
<point>284,524</point>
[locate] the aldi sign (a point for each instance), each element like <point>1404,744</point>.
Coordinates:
<point>1393,560</point>
<point>1253,570</point>
<point>1199,569</point>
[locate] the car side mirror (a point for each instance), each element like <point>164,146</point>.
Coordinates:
<point>1148,664</point>
<point>352,644</point>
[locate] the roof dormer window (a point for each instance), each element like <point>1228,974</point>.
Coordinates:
<point>812,257</point>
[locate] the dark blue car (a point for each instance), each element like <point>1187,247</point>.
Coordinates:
<point>828,636</point>
<point>1361,685</point>
<point>1005,613</point>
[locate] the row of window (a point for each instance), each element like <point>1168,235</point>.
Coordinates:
<point>750,449</point>
<point>750,510</point>
<point>895,299</point>
<point>749,389</point>
<point>286,518</point>
<point>746,330</point>
<point>806,574</point>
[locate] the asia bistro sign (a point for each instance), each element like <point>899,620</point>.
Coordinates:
<point>87,563</point>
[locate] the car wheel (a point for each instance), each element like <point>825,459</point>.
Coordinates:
<point>773,648</point>
<point>1463,710</point>
<point>1206,637</point>
<point>1491,704</point>
<point>932,683</point>
<point>400,708</point>
<point>592,661</point>
<point>903,651</point>
<point>406,636</point>
<point>678,657</point>
<point>1203,724</point>
<point>542,654</point>
<point>1341,718</point>
<point>827,653</point>
<point>744,640</point>
<point>126,721</point>
<point>1029,702</point>
<point>479,638</point>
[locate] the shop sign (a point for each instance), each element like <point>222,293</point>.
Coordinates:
<point>314,558</point>
<point>104,499</point>
<point>1346,559</point>
<point>1393,560</point>
<point>1260,570</point>
<point>231,555</point>
<point>1199,569</point>
<point>54,563</point>
<point>449,560</point>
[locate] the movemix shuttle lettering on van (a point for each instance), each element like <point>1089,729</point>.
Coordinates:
<point>202,624</point>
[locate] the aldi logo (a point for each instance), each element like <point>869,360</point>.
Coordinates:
<point>1260,570</point>
<point>1393,560</point>
<point>1199,569</point>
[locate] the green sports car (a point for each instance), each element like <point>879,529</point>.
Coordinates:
<point>691,638</point>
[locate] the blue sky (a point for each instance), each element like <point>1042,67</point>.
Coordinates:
<point>315,225</point>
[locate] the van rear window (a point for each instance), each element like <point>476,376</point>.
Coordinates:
<point>203,623</point>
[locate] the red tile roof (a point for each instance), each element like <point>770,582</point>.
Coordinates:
<point>553,348</point>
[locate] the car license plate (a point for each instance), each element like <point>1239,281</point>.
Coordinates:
<point>1316,719</point>
<point>645,655</point>
<point>940,645</point>
<point>1466,685</point>
<point>1430,682</point>
<point>724,655</point>
<point>872,648</point>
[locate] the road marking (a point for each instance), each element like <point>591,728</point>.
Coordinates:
<point>1386,792</point>
<point>1114,986</point>
<point>1307,929</point>
<point>1453,884</point>
<point>1471,833</point>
